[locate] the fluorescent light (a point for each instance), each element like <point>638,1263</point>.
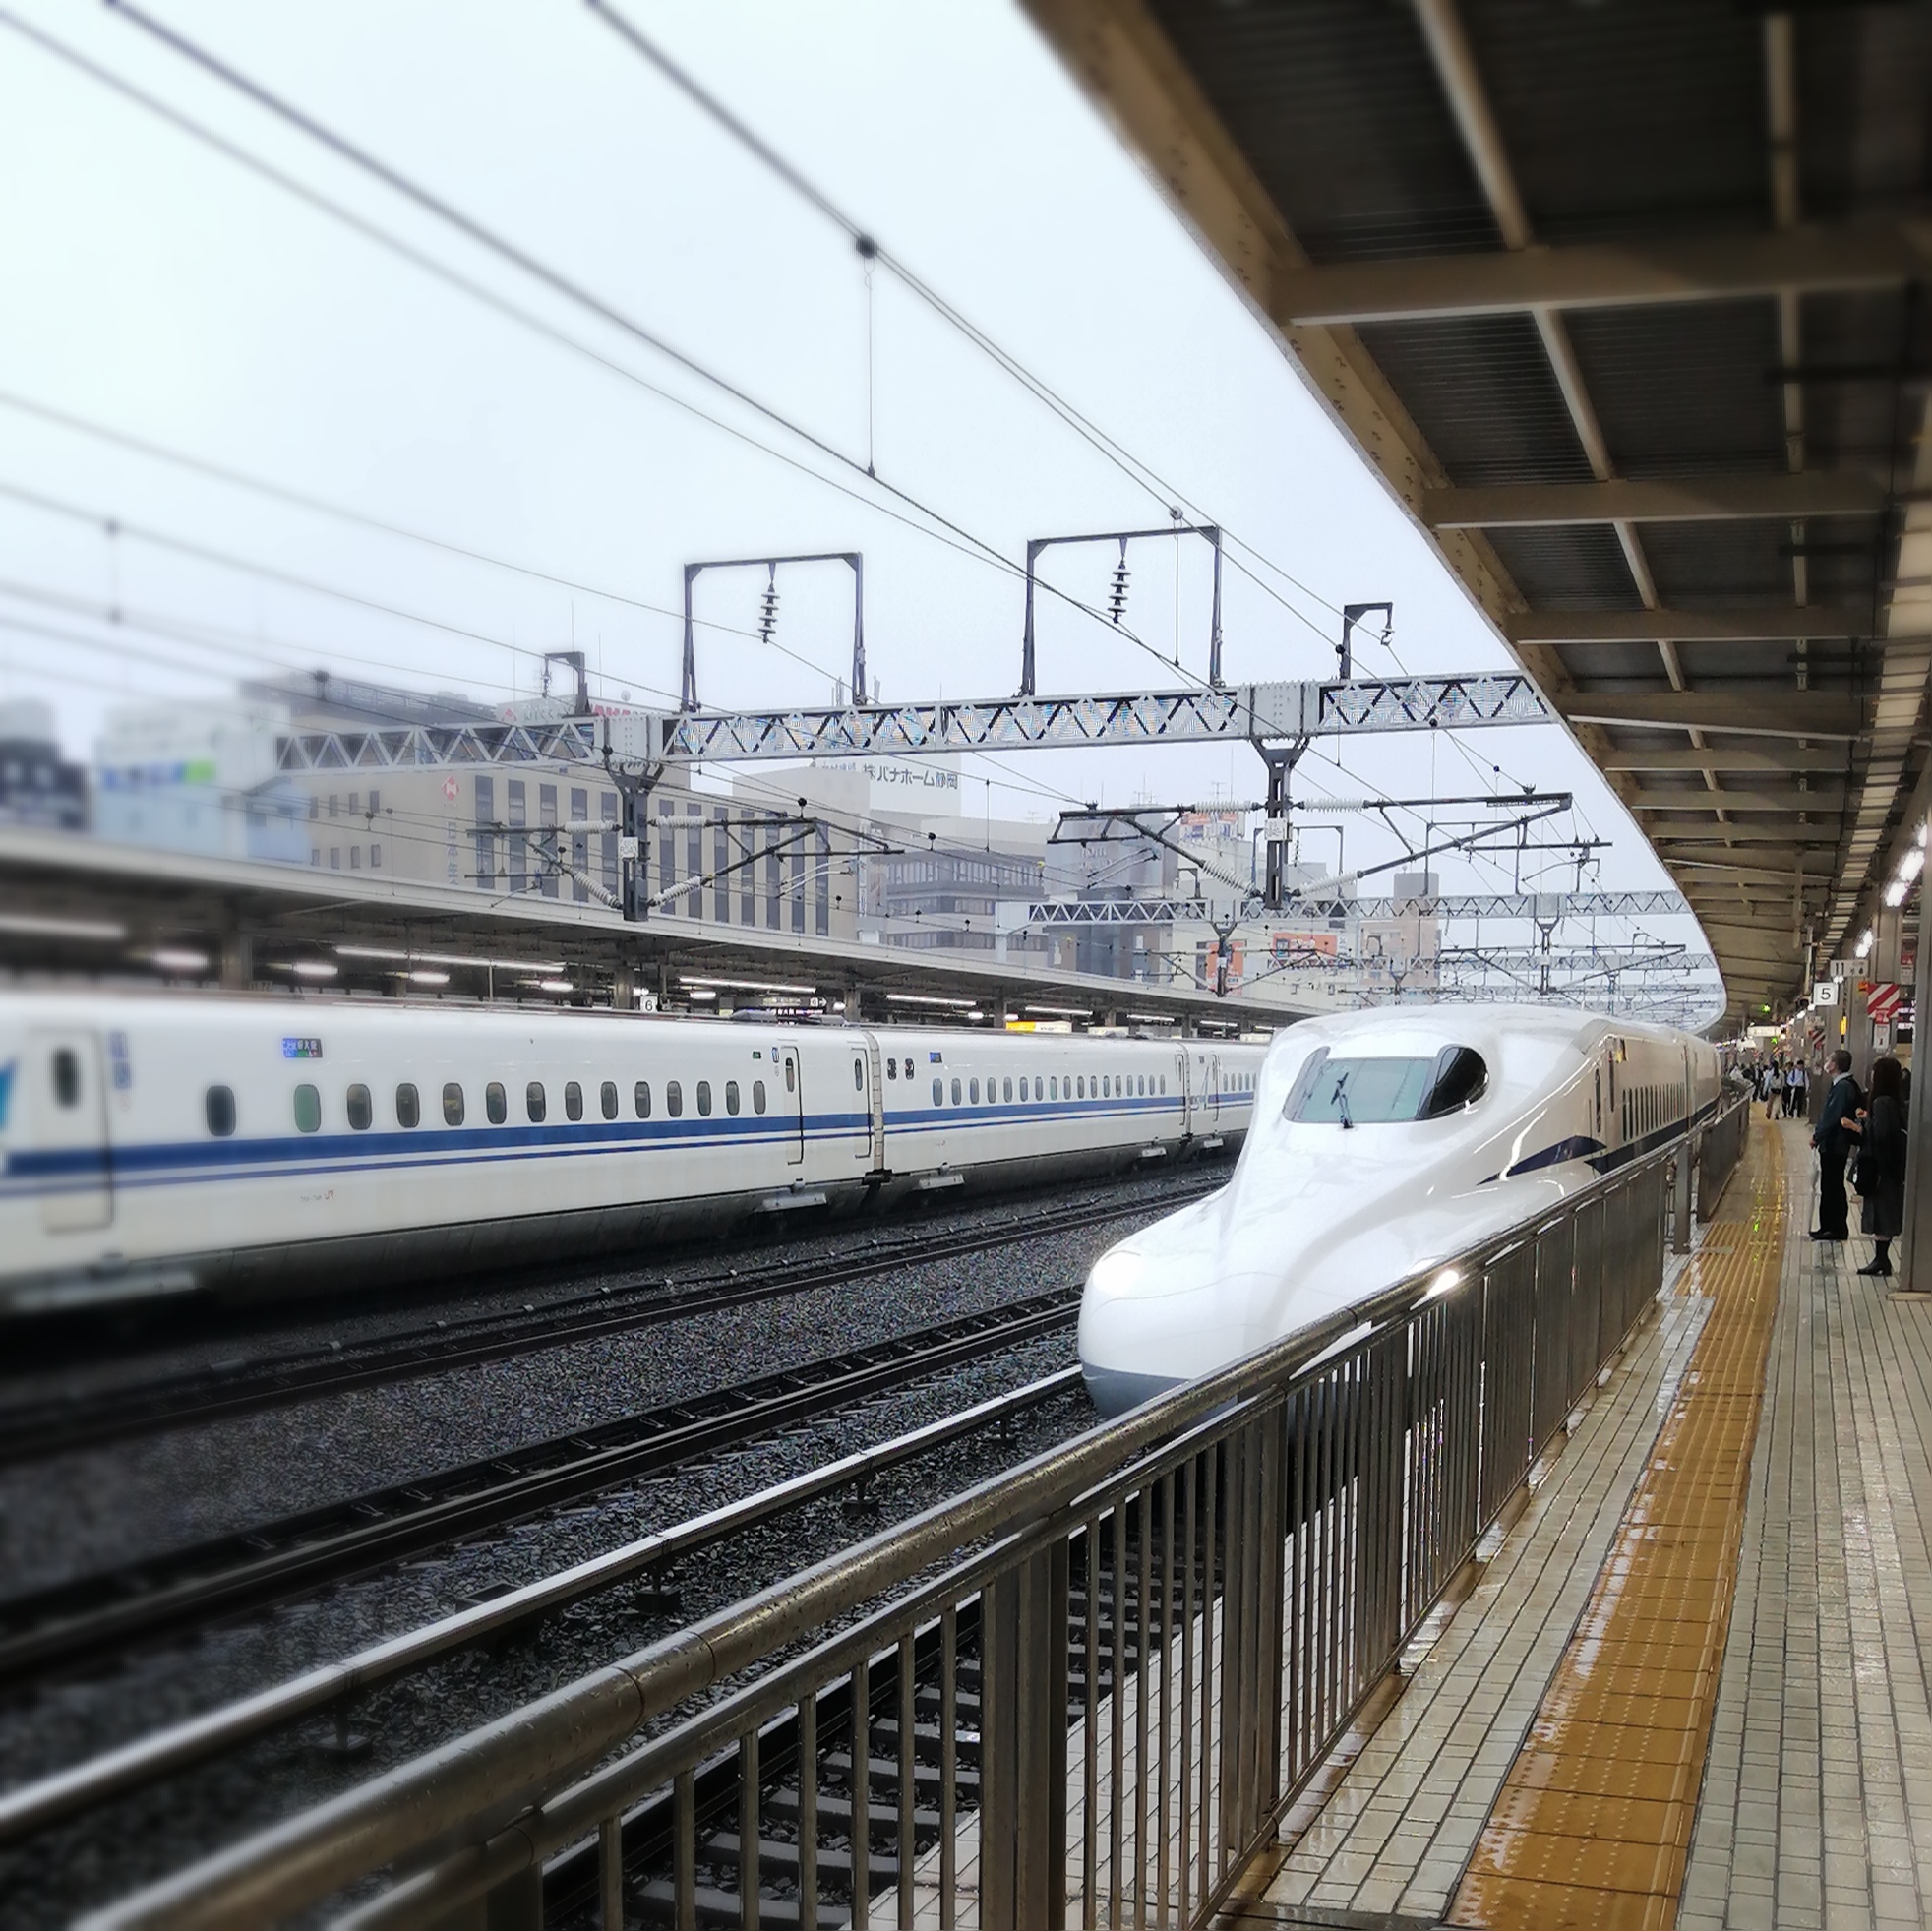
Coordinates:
<point>921,998</point>
<point>421,978</point>
<point>28,926</point>
<point>1060,1011</point>
<point>177,959</point>
<point>746,984</point>
<point>313,969</point>
<point>1896,891</point>
<point>699,994</point>
<point>1865,943</point>
<point>556,986</point>
<point>446,959</point>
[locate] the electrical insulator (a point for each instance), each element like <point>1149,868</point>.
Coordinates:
<point>768,610</point>
<point>1116,597</point>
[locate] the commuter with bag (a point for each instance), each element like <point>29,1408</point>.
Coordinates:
<point>1834,1142</point>
<point>1879,1170</point>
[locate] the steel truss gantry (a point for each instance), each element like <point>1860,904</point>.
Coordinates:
<point>1540,906</point>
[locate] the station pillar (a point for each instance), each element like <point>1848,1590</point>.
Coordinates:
<point>1914,1261</point>
<point>624,987</point>
<point>237,959</point>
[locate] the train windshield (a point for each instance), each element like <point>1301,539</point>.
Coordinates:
<point>1364,1091</point>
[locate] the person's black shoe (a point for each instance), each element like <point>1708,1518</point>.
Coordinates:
<point>1819,1233</point>
<point>1879,1269</point>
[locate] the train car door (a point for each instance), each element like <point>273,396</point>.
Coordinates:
<point>1180,1087</point>
<point>791,1099</point>
<point>67,1118</point>
<point>1211,1090</point>
<point>870,1146</point>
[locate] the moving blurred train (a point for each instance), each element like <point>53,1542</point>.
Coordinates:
<point>159,1143</point>
<point>1385,1143</point>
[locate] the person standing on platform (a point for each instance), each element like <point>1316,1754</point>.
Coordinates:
<point>1879,1173</point>
<point>1832,1142</point>
<point>1771,1082</point>
<point>1795,1091</point>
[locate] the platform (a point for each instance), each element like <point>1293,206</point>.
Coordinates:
<point>1689,1688</point>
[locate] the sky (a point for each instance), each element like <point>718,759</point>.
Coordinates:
<point>162,290</point>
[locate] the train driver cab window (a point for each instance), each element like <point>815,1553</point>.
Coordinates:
<point>535,1104</point>
<point>939,1093</point>
<point>408,1105</point>
<point>955,1092</point>
<point>66,1077</point>
<point>359,1109</point>
<point>495,1102</point>
<point>453,1105</point>
<point>573,1100</point>
<point>607,1099</point>
<point>757,1096</point>
<point>219,1106</point>
<point>731,1096</point>
<point>673,1099</point>
<point>1363,1091</point>
<point>705,1098</point>
<point>308,1110</point>
<point>640,1099</point>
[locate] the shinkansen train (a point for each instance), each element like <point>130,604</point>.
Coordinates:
<point>157,1143</point>
<point>1383,1143</point>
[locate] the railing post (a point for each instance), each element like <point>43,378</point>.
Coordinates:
<point>1023,1745</point>
<point>1680,1219</point>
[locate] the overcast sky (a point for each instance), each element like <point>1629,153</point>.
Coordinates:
<point>159,290</point>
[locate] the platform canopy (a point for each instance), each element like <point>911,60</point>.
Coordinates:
<point>1625,302</point>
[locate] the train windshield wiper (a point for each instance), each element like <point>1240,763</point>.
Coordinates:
<point>1338,1099</point>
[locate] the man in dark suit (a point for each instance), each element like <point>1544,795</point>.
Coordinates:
<point>1834,1144</point>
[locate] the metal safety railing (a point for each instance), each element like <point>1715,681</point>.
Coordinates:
<point>1082,1692</point>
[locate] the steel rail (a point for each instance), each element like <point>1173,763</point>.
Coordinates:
<point>57,1423</point>
<point>99,1616</point>
<point>84,1787</point>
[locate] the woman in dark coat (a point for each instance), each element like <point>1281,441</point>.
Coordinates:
<point>1880,1170</point>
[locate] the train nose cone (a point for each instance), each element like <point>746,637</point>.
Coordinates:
<point>1147,1324</point>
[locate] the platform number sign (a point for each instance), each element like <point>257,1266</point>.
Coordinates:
<point>301,1049</point>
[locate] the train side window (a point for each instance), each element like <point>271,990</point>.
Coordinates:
<point>453,1105</point>
<point>360,1111</point>
<point>705,1098</point>
<point>1008,1092</point>
<point>955,1092</point>
<point>673,1099</point>
<point>408,1105</point>
<point>908,1068</point>
<point>939,1093</point>
<point>66,1077</point>
<point>731,1096</point>
<point>219,1105</point>
<point>495,1102</point>
<point>607,1099</point>
<point>573,1100</point>
<point>535,1104</point>
<point>757,1096</point>
<point>1053,1089</point>
<point>640,1099</point>
<point>791,1076</point>
<point>858,1075</point>
<point>308,1110</point>
<point>892,1069</point>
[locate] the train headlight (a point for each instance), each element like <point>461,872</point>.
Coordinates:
<point>1117,1275</point>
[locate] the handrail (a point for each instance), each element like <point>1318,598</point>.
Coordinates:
<point>524,1762</point>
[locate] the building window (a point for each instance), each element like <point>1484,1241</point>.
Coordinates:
<point>495,1102</point>
<point>375,858</point>
<point>580,847</point>
<point>548,849</point>
<point>518,840</point>
<point>331,803</point>
<point>334,858</point>
<point>218,1107</point>
<point>360,1111</point>
<point>315,854</point>
<point>408,1106</point>
<point>485,835</point>
<point>355,857</point>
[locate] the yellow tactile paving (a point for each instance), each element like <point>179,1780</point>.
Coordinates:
<point>1594,1821</point>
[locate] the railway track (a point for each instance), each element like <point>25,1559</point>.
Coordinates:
<point>34,1428</point>
<point>90,1620</point>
